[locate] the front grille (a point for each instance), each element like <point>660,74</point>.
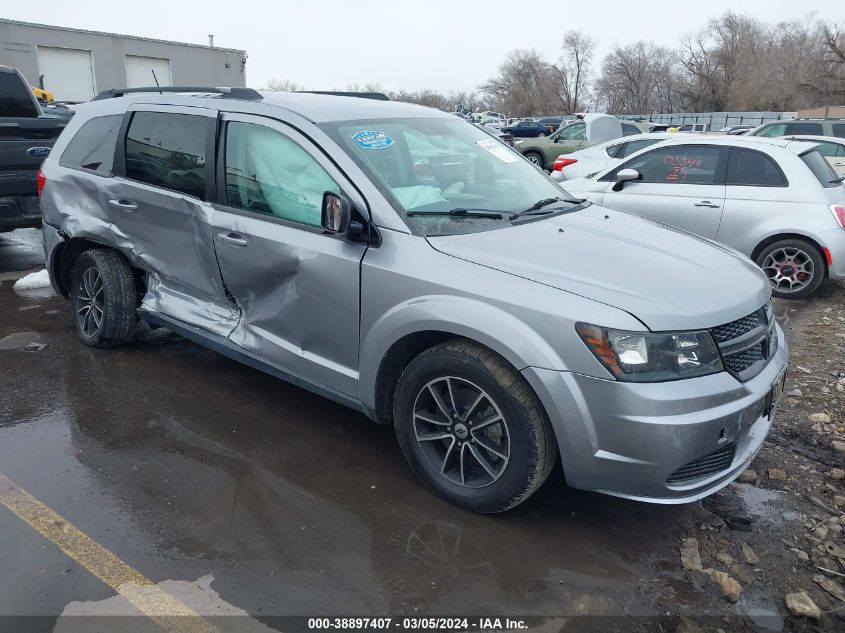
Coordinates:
<point>737,328</point>
<point>740,361</point>
<point>704,466</point>
<point>745,342</point>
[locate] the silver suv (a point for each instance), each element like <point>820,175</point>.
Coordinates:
<point>399,260</point>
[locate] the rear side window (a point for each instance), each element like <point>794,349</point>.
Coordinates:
<point>168,150</point>
<point>821,168</point>
<point>839,130</point>
<point>805,128</point>
<point>753,169</point>
<point>15,98</point>
<point>832,150</point>
<point>776,129</point>
<point>615,151</point>
<point>574,132</point>
<point>629,130</point>
<point>635,146</point>
<point>679,165</point>
<point>92,147</point>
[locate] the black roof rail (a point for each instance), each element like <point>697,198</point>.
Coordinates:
<point>377,96</point>
<point>233,93</point>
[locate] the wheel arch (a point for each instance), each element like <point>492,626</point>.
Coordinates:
<point>777,237</point>
<point>403,333</point>
<point>69,251</point>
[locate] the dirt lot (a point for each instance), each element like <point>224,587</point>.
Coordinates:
<point>239,494</point>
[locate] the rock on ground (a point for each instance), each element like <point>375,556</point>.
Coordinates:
<point>801,605</point>
<point>750,557</point>
<point>748,476</point>
<point>730,587</point>
<point>690,556</point>
<point>777,474</point>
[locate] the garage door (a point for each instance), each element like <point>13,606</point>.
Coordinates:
<point>139,71</point>
<point>67,72</point>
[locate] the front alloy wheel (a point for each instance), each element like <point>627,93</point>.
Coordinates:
<point>461,431</point>
<point>535,158</point>
<point>471,427</point>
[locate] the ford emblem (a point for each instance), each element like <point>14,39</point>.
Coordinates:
<point>38,152</point>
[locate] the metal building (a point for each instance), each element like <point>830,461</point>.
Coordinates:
<point>75,64</point>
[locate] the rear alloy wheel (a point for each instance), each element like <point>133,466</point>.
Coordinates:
<point>535,158</point>
<point>103,298</point>
<point>795,268</point>
<point>471,428</point>
<point>541,134</point>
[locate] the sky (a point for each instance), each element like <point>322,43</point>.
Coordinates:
<point>400,44</point>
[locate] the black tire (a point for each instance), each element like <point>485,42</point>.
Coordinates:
<point>114,285</point>
<point>536,158</point>
<point>527,443</point>
<point>800,263</point>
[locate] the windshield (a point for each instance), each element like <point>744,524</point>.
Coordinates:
<point>446,176</point>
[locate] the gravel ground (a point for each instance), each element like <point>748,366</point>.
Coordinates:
<point>778,531</point>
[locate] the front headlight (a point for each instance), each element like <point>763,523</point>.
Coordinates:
<point>652,356</point>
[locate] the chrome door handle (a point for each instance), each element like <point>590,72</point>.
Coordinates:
<point>123,204</point>
<point>707,203</point>
<point>233,239</point>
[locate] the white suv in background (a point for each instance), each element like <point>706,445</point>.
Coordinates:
<point>776,200</point>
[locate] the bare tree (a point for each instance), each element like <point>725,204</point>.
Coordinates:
<point>526,85</point>
<point>575,65</point>
<point>637,79</point>
<point>283,85</point>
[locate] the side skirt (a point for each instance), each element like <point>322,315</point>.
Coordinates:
<point>225,347</point>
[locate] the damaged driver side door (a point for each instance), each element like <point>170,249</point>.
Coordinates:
<point>297,289</point>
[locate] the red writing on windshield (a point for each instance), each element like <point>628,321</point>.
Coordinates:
<point>678,166</point>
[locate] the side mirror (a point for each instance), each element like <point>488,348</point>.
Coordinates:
<point>337,216</point>
<point>623,176</point>
<point>337,213</point>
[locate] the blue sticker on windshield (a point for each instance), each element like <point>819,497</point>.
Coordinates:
<point>371,139</point>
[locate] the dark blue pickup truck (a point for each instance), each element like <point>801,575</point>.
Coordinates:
<point>26,137</point>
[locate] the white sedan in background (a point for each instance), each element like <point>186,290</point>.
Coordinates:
<point>776,200</point>
<point>593,159</point>
<point>831,147</point>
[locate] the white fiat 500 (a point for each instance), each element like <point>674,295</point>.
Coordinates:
<point>776,200</point>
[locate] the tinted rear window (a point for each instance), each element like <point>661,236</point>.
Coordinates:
<point>92,147</point>
<point>168,150</point>
<point>821,168</point>
<point>754,169</point>
<point>15,98</point>
<point>839,130</point>
<point>805,128</point>
<point>629,130</point>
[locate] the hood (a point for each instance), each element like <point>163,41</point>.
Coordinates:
<point>602,127</point>
<point>669,280</point>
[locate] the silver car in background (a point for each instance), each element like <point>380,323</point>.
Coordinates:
<point>398,260</point>
<point>776,200</point>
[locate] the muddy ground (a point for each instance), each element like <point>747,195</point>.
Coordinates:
<point>240,493</point>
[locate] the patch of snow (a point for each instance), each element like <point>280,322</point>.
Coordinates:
<point>32,281</point>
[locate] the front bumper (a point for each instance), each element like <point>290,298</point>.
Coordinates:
<point>628,439</point>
